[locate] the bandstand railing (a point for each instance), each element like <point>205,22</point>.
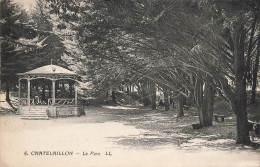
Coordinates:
<point>24,101</point>
<point>59,101</point>
<point>62,101</point>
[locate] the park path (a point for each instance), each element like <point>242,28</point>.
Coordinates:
<point>132,136</point>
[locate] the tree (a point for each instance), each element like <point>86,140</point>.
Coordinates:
<point>255,72</point>
<point>18,41</point>
<point>228,39</point>
<point>231,35</point>
<point>166,99</point>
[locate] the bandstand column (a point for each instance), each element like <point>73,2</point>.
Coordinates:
<point>70,89</point>
<point>76,101</point>
<point>19,91</point>
<point>53,92</point>
<point>76,95</point>
<point>29,92</point>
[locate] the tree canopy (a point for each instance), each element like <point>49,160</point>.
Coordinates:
<point>198,49</point>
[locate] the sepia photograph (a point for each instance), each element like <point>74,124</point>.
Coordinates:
<point>129,83</point>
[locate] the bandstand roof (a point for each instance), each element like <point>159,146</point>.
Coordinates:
<point>49,70</point>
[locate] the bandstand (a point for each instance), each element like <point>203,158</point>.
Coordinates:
<point>48,91</point>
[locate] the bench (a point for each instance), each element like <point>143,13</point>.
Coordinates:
<point>186,107</point>
<point>196,126</point>
<point>217,116</point>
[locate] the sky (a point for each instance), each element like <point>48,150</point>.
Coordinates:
<point>27,4</point>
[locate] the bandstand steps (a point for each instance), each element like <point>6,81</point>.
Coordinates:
<point>36,114</point>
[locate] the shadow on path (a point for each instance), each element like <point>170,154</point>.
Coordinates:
<point>162,129</point>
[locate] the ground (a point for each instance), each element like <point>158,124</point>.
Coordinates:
<point>133,136</point>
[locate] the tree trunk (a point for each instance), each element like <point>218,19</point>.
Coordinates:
<point>113,97</point>
<point>166,99</point>
<point>205,102</point>
<point>255,71</point>
<point>153,94</point>
<point>171,101</point>
<point>7,92</point>
<point>206,111</point>
<point>240,102</point>
<point>146,98</point>
<point>7,96</point>
<point>146,101</point>
<point>198,94</point>
<point>180,106</point>
<point>143,91</point>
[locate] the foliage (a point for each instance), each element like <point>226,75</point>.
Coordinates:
<point>185,46</point>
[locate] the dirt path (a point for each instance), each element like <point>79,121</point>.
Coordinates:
<point>133,137</point>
